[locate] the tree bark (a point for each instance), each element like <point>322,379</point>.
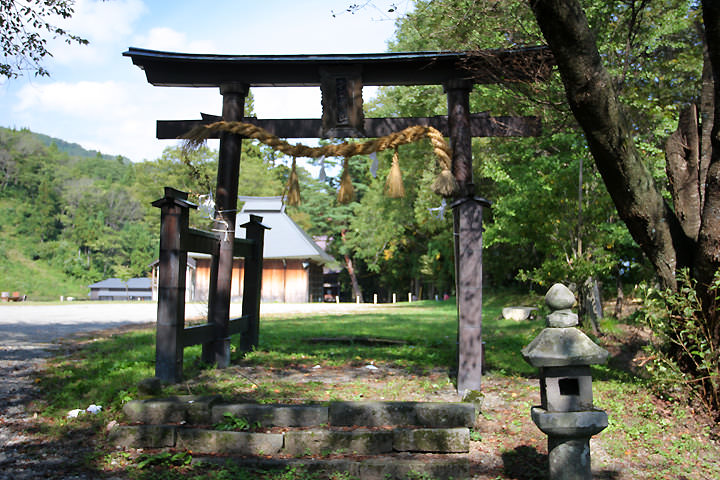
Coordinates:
<point>707,115</point>
<point>595,105</point>
<point>682,164</point>
<point>707,259</point>
<point>357,292</point>
<point>620,297</point>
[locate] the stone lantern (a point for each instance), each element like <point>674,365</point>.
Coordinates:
<point>566,414</point>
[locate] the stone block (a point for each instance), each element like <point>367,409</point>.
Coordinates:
<point>142,436</point>
<point>559,297</point>
<point>562,319</point>
<point>326,442</point>
<point>569,424</point>
<point>517,313</point>
<point>445,415</point>
<point>432,440</point>
<point>274,415</point>
<point>372,414</point>
<point>237,443</point>
<point>394,469</point>
<point>182,408</point>
<point>421,414</point>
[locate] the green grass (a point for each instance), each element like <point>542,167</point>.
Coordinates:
<point>106,370</point>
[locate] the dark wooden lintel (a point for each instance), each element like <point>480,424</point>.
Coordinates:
<point>239,324</point>
<point>200,242</point>
<point>243,248</point>
<point>198,334</point>
<point>481,125</point>
<point>206,332</point>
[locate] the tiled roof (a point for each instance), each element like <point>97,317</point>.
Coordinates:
<point>285,239</point>
<point>132,284</point>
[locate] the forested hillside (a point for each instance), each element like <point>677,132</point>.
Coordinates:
<point>70,219</point>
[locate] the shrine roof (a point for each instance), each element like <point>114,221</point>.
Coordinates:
<point>378,69</point>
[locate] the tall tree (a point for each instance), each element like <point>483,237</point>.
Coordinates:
<point>592,97</point>
<point>687,237</point>
<point>534,227</point>
<point>25,25</point>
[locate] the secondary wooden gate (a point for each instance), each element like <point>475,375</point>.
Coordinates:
<point>341,78</point>
<point>176,240</point>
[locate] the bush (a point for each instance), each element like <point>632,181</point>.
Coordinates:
<point>686,349</point>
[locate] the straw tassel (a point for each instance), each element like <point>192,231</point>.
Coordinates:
<point>445,184</point>
<point>346,194</point>
<point>394,184</point>
<point>293,190</point>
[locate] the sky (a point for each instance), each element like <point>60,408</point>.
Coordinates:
<point>97,98</point>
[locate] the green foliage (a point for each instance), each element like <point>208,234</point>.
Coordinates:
<point>538,229</point>
<point>76,219</point>
<point>687,347</point>
<point>26,28</point>
<point>232,422</point>
<point>163,459</point>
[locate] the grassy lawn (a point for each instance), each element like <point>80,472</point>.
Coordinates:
<point>647,437</point>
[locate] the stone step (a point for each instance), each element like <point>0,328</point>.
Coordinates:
<point>368,440</point>
<point>385,467</point>
<point>324,442</point>
<point>195,410</point>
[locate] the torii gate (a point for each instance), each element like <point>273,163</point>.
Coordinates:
<point>341,78</point>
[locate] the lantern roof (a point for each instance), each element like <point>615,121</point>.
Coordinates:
<point>560,347</point>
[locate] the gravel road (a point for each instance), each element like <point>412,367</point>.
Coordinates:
<point>28,331</point>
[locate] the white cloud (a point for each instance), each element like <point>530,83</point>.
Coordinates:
<point>105,22</point>
<point>287,102</point>
<point>106,25</point>
<point>167,39</point>
<point>112,117</point>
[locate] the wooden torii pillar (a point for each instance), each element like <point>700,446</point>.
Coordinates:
<point>341,78</point>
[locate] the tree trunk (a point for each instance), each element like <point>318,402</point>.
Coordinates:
<point>707,115</point>
<point>591,308</point>
<point>682,164</point>
<point>357,292</point>
<point>594,103</point>
<point>707,259</point>
<point>620,297</point>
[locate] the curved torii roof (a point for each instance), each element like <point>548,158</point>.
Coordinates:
<point>173,69</point>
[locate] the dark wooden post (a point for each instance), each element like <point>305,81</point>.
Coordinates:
<point>208,349</point>
<point>225,213</point>
<point>174,217</point>
<point>252,284</point>
<point>467,216</point>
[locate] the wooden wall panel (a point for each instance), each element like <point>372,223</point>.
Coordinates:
<point>287,282</point>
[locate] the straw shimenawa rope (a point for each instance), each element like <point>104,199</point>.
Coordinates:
<point>444,185</point>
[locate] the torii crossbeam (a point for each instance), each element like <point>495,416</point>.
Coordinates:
<point>341,78</point>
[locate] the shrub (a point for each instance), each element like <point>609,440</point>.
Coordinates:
<point>686,349</point>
